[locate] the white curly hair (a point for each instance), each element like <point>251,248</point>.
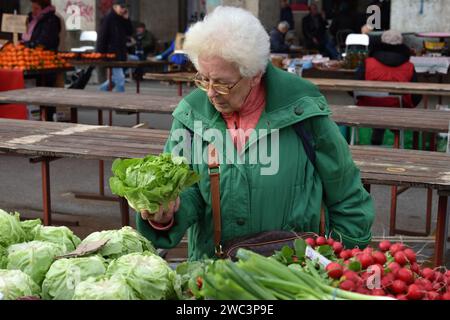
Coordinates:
<point>233,34</point>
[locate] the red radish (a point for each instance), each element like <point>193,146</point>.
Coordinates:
<point>345,255</point>
<point>378,292</point>
<point>347,285</point>
<point>386,282</point>
<point>410,255</point>
<point>311,242</point>
<point>425,284</point>
<point>415,268</point>
<point>431,295</point>
<point>400,258</point>
<point>447,273</point>
<point>446,296</point>
<point>437,287</point>
<point>396,247</point>
<point>439,277</point>
<point>394,267</point>
<point>428,273</point>
<point>355,252</point>
<point>338,247</point>
<point>415,292</point>
<point>368,251</point>
<point>352,276</point>
<point>401,297</point>
<point>398,286</point>
<point>321,241</point>
<point>362,290</point>
<point>405,275</point>
<point>384,245</point>
<point>379,257</point>
<point>365,259</point>
<point>330,242</point>
<point>199,282</point>
<point>334,270</point>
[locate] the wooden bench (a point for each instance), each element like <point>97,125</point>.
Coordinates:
<point>46,141</point>
<point>423,88</point>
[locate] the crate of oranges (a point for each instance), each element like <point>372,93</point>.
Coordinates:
<point>19,57</point>
<point>97,56</point>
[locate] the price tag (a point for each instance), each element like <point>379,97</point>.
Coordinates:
<point>315,256</point>
<point>14,23</point>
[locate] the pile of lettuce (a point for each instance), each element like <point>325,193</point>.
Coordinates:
<point>34,263</point>
<point>152,181</point>
<point>120,242</point>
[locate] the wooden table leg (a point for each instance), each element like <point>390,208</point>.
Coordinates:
<point>441,231</point>
<point>394,193</point>
<point>138,91</point>
<point>43,113</point>
<point>125,212</point>
<point>101,162</point>
<point>180,88</point>
<point>73,115</point>
<point>46,199</point>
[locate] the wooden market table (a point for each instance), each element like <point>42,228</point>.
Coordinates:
<point>48,141</point>
<point>423,88</point>
<point>369,117</point>
<point>82,99</point>
<point>177,77</point>
<point>121,64</point>
<point>100,101</point>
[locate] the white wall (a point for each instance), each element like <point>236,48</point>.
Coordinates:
<point>406,17</point>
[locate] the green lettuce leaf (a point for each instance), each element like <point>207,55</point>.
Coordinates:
<point>34,258</point>
<point>65,274</point>
<point>148,274</point>
<point>11,231</point>
<point>103,288</point>
<point>15,284</point>
<point>29,227</point>
<point>120,242</point>
<point>152,181</point>
<point>60,235</point>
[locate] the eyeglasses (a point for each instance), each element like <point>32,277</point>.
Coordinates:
<point>205,84</point>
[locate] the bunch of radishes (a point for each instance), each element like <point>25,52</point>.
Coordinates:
<point>390,271</point>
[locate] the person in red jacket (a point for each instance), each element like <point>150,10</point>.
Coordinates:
<point>388,61</point>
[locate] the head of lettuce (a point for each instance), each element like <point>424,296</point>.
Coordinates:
<point>151,182</point>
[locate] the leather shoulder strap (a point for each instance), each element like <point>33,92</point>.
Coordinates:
<point>214,176</point>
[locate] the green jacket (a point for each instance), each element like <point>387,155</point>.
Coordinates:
<point>291,199</point>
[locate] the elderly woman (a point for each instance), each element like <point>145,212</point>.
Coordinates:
<point>240,89</point>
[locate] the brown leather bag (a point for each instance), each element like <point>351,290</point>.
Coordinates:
<point>264,243</point>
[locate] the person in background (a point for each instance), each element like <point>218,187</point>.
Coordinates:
<point>142,44</point>
<point>278,38</point>
<point>43,26</point>
<point>388,61</point>
<point>115,28</point>
<point>315,33</point>
<point>286,14</point>
<point>43,30</point>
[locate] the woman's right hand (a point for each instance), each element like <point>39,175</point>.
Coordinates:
<point>162,217</point>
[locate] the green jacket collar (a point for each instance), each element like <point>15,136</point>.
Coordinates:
<point>290,99</point>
